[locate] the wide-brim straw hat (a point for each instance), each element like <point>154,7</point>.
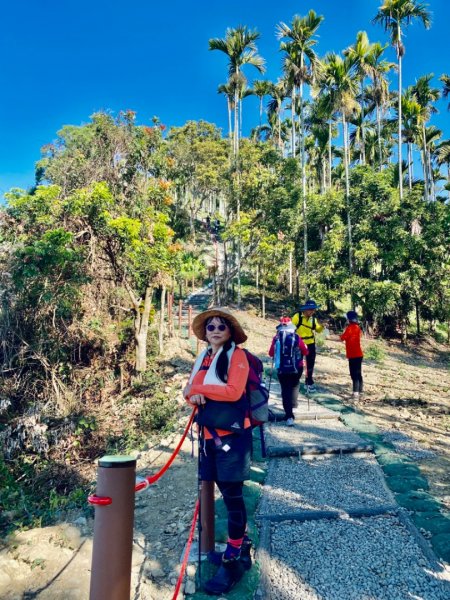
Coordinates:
<point>199,324</point>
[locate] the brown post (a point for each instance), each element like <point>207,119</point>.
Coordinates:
<point>180,308</point>
<point>189,321</point>
<point>113,528</point>
<point>208,531</point>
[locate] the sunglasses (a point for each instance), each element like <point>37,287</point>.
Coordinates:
<point>220,327</point>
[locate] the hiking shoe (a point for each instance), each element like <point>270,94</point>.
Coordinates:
<point>215,557</point>
<point>290,422</point>
<point>355,395</point>
<point>228,574</point>
<point>311,389</point>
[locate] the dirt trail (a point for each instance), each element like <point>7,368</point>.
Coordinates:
<point>408,393</point>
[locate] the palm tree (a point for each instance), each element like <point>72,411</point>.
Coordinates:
<point>301,65</point>
<point>360,54</point>
<point>411,114</point>
<point>425,95</point>
<point>244,92</point>
<point>446,89</point>
<point>240,48</point>
<point>380,87</point>
<point>339,87</point>
<point>394,15</point>
<point>228,90</point>
<point>360,128</point>
<point>443,158</point>
<point>324,112</point>
<point>239,45</point>
<point>261,88</point>
<point>431,137</point>
<point>322,130</point>
<point>368,61</point>
<point>277,94</point>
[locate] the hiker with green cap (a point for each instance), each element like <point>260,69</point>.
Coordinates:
<point>307,326</point>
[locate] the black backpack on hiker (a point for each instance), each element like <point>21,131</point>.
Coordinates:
<point>287,352</point>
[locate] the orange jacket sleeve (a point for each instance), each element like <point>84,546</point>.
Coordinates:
<point>237,379</point>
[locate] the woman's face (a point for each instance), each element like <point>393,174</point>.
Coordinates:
<point>308,313</point>
<point>217,332</point>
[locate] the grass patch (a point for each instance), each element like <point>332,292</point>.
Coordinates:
<point>375,352</point>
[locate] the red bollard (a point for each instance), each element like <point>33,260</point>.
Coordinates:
<point>189,321</point>
<point>170,313</point>
<point>113,528</point>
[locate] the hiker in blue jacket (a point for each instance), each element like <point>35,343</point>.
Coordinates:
<point>287,350</point>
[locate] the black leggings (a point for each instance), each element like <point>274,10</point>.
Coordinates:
<point>355,366</point>
<point>310,362</point>
<point>289,383</point>
<point>234,501</point>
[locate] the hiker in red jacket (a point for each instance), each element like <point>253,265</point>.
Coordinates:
<point>352,339</point>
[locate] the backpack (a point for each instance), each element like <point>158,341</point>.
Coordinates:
<point>256,392</point>
<point>287,352</point>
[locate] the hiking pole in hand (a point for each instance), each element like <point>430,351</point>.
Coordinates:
<point>306,385</point>
<point>270,378</point>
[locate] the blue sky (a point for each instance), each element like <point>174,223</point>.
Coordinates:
<point>61,61</point>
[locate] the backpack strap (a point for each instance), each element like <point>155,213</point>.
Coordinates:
<point>311,327</point>
<point>215,436</point>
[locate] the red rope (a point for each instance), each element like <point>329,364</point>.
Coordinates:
<point>153,478</point>
<point>188,548</point>
<point>99,500</point>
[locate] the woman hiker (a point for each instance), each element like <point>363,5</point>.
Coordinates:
<point>287,349</point>
<point>217,387</point>
<point>307,326</point>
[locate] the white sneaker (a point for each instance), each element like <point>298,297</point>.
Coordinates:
<point>290,422</point>
<point>355,395</point>
<point>311,389</point>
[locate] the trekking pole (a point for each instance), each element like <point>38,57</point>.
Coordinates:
<point>270,378</point>
<point>307,386</point>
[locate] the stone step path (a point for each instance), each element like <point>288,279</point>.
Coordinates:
<point>330,529</point>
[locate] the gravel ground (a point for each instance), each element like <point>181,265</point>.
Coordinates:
<point>331,432</point>
<point>407,445</point>
<point>324,483</point>
<point>372,558</point>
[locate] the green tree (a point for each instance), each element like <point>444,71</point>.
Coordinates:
<point>261,89</point>
<point>198,164</point>
<point>394,16</point>
<point>239,45</point>
<point>338,85</point>
<point>446,87</point>
<point>300,65</point>
<point>425,95</point>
